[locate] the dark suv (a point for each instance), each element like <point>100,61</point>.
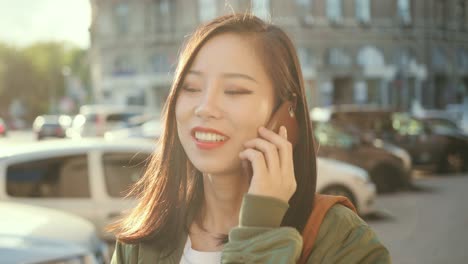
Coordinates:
<point>388,166</point>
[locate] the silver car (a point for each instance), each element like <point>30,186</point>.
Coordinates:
<point>32,234</point>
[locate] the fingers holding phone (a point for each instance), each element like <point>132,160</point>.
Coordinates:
<point>271,158</point>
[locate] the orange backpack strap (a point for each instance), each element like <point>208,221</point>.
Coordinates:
<point>322,204</point>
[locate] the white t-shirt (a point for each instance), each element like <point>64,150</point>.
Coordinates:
<point>191,256</point>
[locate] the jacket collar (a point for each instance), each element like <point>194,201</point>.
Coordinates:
<point>147,253</point>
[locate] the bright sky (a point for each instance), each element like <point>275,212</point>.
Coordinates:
<point>23,22</point>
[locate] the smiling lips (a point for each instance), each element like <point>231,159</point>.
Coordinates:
<point>207,138</point>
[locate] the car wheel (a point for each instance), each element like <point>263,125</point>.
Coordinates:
<point>387,178</point>
<point>340,190</point>
<point>453,162</point>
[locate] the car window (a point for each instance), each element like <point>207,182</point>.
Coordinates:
<point>122,170</point>
<point>442,126</point>
<point>329,135</point>
<point>406,125</point>
<point>58,177</point>
<point>120,117</point>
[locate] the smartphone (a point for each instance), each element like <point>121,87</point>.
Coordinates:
<point>284,116</point>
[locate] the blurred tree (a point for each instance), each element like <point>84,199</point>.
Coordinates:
<point>48,59</point>
<point>19,80</point>
<point>34,75</point>
<point>77,60</point>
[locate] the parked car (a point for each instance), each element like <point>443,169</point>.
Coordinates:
<point>428,149</point>
<point>95,120</point>
<point>388,166</point>
<point>90,177</point>
<point>45,126</point>
<point>87,177</point>
<point>148,130</point>
<point>31,250</point>
<point>3,128</point>
<point>339,178</point>
<point>32,234</point>
<point>441,125</point>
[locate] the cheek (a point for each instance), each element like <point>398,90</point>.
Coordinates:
<point>181,109</point>
<point>181,117</point>
<point>253,115</point>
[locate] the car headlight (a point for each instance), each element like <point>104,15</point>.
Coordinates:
<point>403,155</point>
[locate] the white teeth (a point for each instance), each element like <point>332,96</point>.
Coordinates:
<point>209,137</point>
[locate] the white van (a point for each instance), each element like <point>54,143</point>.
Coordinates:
<point>86,177</point>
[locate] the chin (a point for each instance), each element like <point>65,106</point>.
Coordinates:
<point>217,167</point>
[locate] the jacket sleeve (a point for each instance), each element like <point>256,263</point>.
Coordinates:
<point>125,254</point>
<point>259,237</point>
<point>346,238</point>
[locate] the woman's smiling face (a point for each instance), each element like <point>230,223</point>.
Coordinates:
<point>225,96</point>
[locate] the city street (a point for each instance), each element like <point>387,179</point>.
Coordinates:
<point>428,225</point>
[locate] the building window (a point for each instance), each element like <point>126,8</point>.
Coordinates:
<point>304,4</point>
<point>462,59</point>
<point>206,10</point>
<point>163,15</point>
<point>370,56</point>
<point>121,15</point>
<point>439,58</point>
<point>306,57</point>
<point>261,8</point>
<point>56,177</point>
<point>363,11</point>
<point>304,7</point>
<point>404,57</point>
<point>304,10</point>
<point>122,66</point>
<point>334,10</point>
<point>461,14</point>
<point>440,10</point>
<point>338,57</point>
<point>159,63</point>
<point>404,11</point>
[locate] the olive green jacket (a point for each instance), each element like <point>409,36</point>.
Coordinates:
<point>343,238</point>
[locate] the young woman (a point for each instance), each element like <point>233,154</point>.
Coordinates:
<point>222,187</point>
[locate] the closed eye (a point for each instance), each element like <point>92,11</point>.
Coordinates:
<point>237,92</point>
<point>190,89</point>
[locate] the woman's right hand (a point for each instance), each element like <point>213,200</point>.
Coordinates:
<point>271,157</point>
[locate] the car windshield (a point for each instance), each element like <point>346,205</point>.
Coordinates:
<point>328,134</point>
<point>406,125</point>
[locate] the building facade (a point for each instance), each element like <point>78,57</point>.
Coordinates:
<point>385,52</point>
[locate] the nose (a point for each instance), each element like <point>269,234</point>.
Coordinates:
<point>208,107</point>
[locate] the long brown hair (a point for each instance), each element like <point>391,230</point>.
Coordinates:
<point>172,188</point>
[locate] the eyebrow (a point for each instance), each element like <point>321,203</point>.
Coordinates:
<point>228,75</point>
